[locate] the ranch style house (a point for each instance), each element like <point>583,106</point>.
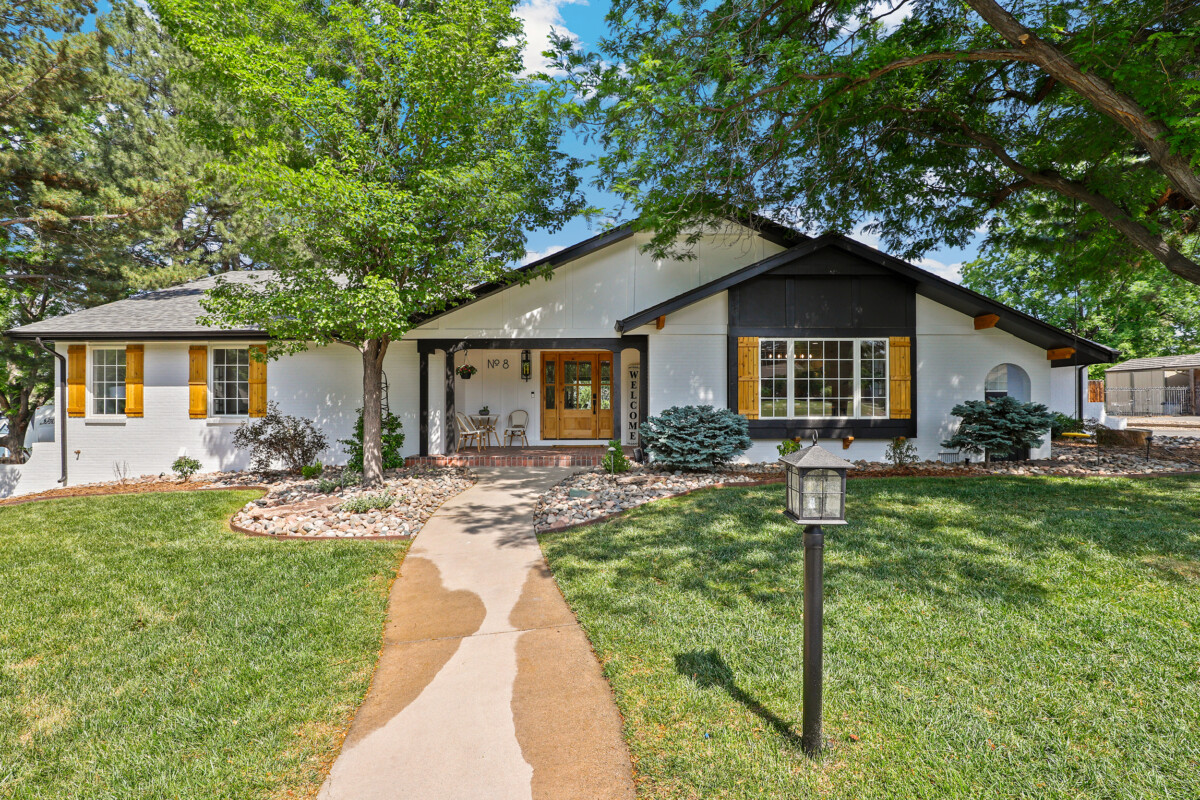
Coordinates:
<point>804,336</point>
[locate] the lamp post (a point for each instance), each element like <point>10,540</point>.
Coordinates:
<point>816,496</point>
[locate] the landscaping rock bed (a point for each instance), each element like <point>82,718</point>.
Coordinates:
<point>295,508</point>
<point>595,495</point>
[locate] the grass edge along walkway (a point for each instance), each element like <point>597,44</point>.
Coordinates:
<point>998,637</point>
<point>147,650</point>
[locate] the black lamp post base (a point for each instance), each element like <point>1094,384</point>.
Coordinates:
<point>814,558</point>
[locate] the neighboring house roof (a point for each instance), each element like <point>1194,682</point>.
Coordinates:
<point>164,314</point>
<point>1158,362</point>
<point>929,285</point>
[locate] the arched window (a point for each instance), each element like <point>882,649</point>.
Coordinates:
<point>1007,380</point>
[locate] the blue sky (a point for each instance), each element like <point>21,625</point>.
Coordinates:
<point>583,20</point>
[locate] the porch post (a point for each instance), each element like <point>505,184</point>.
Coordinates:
<point>423,408</point>
<point>451,429</point>
<point>643,388</point>
<point>615,388</point>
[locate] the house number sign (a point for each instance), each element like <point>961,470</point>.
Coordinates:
<point>497,363</point>
<point>630,434</point>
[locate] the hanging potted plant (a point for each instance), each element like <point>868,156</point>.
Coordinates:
<point>466,371</point>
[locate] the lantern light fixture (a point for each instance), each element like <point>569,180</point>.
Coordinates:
<point>816,486</point>
<point>526,365</point>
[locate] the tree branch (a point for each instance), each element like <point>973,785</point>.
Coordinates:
<point>1102,94</point>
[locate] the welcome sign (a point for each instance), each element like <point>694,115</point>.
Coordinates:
<point>634,412</point>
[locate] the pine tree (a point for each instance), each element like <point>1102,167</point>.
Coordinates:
<point>999,428</point>
<point>107,191</point>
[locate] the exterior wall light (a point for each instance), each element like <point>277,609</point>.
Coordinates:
<point>526,365</point>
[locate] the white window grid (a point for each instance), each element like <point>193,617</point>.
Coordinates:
<point>230,381</point>
<point>796,375</point>
<point>108,381</point>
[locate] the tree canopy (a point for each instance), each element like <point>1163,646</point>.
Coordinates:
<point>399,152</point>
<point>1139,308</point>
<point>106,185</point>
<point>923,116</point>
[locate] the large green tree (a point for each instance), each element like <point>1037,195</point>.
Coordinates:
<point>105,177</point>
<point>922,115</point>
<point>1135,306</point>
<point>400,153</point>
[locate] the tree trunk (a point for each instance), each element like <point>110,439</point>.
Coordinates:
<point>373,351</point>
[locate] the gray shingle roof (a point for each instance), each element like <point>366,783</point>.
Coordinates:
<point>1158,362</point>
<point>163,314</point>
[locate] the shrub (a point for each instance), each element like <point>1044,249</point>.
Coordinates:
<point>901,452</point>
<point>999,428</point>
<point>347,477</point>
<point>788,446</point>
<point>311,471</point>
<point>292,440</point>
<point>1066,424</point>
<point>615,460</point>
<point>695,437</point>
<point>185,467</point>
<point>361,504</point>
<point>393,440</point>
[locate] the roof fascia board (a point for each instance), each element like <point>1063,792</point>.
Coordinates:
<point>1013,321</point>
<point>137,336</point>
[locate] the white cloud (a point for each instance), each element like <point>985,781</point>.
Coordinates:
<point>534,255</point>
<point>538,17</point>
<point>951,272</point>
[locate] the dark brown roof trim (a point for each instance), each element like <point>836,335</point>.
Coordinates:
<point>934,287</point>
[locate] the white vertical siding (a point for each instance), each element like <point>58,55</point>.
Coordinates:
<point>687,369</point>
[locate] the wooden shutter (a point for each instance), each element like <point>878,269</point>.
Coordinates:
<point>258,380</point>
<point>747,382</point>
<point>900,389</point>
<point>76,380</point>
<point>198,381</point>
<point>133,380</point>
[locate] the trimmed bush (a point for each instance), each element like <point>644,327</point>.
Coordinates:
<point>393,440</point>
<point>312,471</point>
<point>999,428</point>
<point>615,461</point>
<point>695,437</point>
<point>293,440</point>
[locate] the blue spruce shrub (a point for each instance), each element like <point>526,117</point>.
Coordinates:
<point>695,437</point>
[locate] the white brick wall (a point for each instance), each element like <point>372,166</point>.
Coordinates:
<point>686,369</point>
<point>323,384</point>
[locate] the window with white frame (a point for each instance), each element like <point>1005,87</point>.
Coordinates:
<point>108,381</point>
<point>805,378</point>
<point>231,381</point>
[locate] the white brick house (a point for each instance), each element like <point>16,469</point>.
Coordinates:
<point>803,336</point>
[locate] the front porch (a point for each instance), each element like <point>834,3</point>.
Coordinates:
<point>560,456</point>
<point>577,393</point>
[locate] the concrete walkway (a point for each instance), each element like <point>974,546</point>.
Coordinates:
<point>486,688</point>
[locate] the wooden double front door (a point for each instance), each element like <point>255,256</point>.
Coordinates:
<point>577,395</point>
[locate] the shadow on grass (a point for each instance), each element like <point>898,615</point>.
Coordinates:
<point>707,669</point>
<point>944,539</point>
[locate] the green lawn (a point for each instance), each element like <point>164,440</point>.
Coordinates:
<point>148,652</point>
<point>985,638</point>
